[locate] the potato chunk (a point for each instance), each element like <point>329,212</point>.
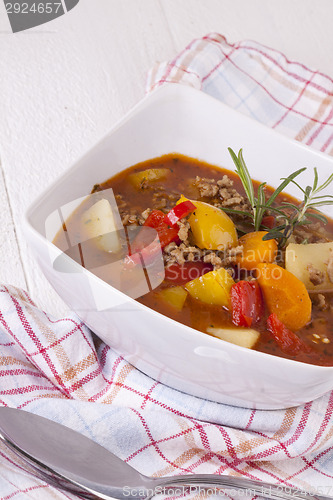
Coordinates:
<point>98,222</point>
<point>244,337</point>
<point>311,264</point>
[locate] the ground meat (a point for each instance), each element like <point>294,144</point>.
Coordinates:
<point>223,258</point>
<point>320,302</point>
<point>121,203</point>
<point>232,199</point>
<point>135,219</point>
<point>330,268</point>
<point>160,202</point>
<point>222,192</point>
<point>167,249</point>
<point>122,207</point>
<point>165,201</point>
<point>210,188</point>
<point>225,182</point>
<point>300,235</point>
<point>130,220</point>
<point>125,220</point>
<point>231,254</point>
<point>191,254</point>
<point>316,276</point>
<point>183,233</point>
<point>212,258</point>
<point>174,254</point>
<point>145,214</point>
<point>207,187</point>
<point>315,234</point>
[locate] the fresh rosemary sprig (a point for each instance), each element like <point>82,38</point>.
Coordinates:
<point>288,215</point>
<point>259,204</point>
<point>302,214</point>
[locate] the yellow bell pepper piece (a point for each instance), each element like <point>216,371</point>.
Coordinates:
<point>212,288</point>
<point>175,297</point>
<point>211,227</point>
<point>150,175</point>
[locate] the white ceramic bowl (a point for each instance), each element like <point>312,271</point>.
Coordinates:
<point>177,118</point>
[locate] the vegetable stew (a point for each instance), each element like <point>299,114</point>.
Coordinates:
<point>243,262</point>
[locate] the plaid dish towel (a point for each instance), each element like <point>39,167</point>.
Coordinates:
<point>59,369</point>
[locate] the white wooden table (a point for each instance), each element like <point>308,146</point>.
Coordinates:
<point>64,84</point>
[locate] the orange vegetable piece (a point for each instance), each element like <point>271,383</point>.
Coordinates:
<point>285,295</point>
<point>256,250</point>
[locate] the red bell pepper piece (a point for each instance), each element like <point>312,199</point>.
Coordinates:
<point>287,340</point>
<point>181,274</point>
<point>179,211</point>
<point>166,234</point>
<point>246,303</point>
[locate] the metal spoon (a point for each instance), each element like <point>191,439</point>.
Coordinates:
<point>70,461</point>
